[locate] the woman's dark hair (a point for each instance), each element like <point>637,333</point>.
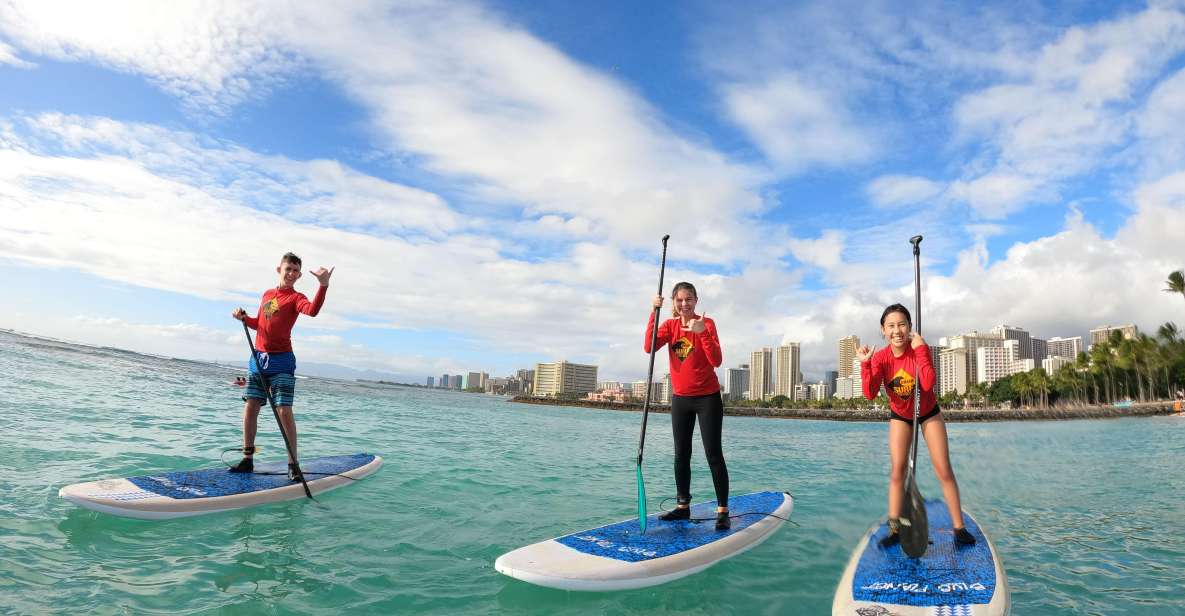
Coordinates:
<point>896,308</point>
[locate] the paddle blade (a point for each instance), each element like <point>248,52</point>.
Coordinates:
<point>915,528</point>
<point>641,501</point>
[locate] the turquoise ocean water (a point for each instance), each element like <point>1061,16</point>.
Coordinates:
<point>1088,516</point>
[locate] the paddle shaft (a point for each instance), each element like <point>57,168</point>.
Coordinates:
<point>653,347</point>
<point>917,315</point>
<point>271,400</point>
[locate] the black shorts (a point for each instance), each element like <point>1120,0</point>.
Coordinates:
<point>921,419</point>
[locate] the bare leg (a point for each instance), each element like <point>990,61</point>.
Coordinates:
<point>935,432</point>
<point>899,435</point>
<point>250,422</point>
<point>289,422</point>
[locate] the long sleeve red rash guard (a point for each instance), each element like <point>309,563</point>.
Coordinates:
<point>694,357</point>
<point>277,314</point>
<point>897,374</point>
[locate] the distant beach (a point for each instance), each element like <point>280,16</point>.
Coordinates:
<point>1146,409</point>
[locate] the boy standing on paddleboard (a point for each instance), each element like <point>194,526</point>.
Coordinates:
<point>273,341</point>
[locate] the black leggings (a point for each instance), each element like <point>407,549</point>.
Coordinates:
<point>710,410</point>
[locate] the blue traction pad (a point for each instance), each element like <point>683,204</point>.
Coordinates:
<point>625,541</point>
<point>946,575</point>
<point>212,482</point>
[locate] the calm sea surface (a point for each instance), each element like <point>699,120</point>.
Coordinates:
<point>1088,516</point>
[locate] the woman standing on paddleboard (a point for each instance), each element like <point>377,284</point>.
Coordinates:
<point>900,367</point>
<point>695,355</point>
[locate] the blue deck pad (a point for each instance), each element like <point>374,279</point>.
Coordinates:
<point>624,541</point>
<point>212,482</point>
<point>945,575</point>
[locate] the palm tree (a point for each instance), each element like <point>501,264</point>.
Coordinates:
<point>1176,282</point>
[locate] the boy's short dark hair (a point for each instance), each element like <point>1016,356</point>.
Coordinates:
<point>290,258</point>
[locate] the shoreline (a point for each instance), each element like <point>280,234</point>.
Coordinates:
<point>1145,409</point>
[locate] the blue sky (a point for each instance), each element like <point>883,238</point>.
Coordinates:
<point>491,180</point>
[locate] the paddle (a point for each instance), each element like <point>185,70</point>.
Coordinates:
<point>271,400</point>
<point>915,528</point>
<point>649,378</point>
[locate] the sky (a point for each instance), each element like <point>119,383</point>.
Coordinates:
<point>491,180</point>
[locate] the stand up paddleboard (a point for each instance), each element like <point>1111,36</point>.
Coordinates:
<point>188,493</point>
<point>618,556</point>
<point>947,580</point>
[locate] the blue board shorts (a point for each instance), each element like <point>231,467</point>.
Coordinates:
<point>280,369</point>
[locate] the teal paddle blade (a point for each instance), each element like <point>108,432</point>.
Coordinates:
<point>641,501</point>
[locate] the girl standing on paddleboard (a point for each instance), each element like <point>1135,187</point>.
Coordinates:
<point>695,355</point>
<point>900,367</point>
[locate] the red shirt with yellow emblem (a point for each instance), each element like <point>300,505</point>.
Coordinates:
<point>694,357</point>
<point>898,375</point>
<point>277,314</point>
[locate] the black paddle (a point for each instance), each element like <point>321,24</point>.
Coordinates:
<point>271,400</point>
<point>915,528</point>
<point>649,378</point>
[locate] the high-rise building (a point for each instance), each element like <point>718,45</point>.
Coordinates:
<point>1053,363</point>
<point>563,377</point>
<point>787,366</point>
<point>526,379</point>
<point>431,381</point>
<point>802,392</point>
<point>1040,350</point>
<point>847,352</point>
<point>1065,347</point>
<point>665,394</point>
<point>1008,332</point>
<point>829,378</point>
<point>476,380</point>
<point>454,381</point>
<point>638,391</point>
<point>971,341</point>
<point>936,363</point>
<point>845,389</point>
<point>953,374</point>
<point>738,382</point>
<point>1102,334</point>
<point>761,386</point>
<point>995,363</point>
<point>444,381</point>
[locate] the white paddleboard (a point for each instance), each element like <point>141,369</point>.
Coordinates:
<point>618,556</point>
<point>948,580</point>
<point>188,493</point>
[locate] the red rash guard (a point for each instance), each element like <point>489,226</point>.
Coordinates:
<point>897,375</point>
<point>694,357</point>
<point>277,314</point>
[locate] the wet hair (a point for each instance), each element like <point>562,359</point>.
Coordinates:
<point>290,258</point>
<point>896,308</point>
<point>682,286</point>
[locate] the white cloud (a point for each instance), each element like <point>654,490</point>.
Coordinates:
<point>1067,113</point>
<point>825,252</point>
<point>8,56</point>
<point>798,125</point>
<point>212,54</point>
<point>1159,126</point>
<point>476,98</point>
<point>902,190</point>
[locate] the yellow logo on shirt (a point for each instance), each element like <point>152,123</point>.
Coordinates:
<point>902,383</point>
<point>683,347</point>
<point>270,308</point>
